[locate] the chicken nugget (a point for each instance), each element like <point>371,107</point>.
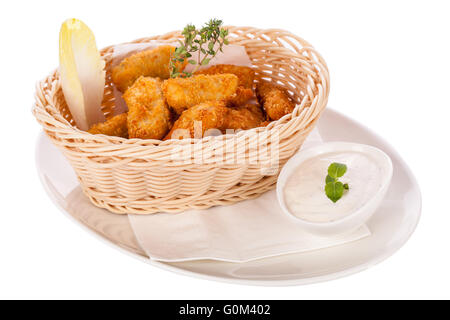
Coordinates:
<point>244,117</point>
<point>246,75</point>
<point>148,63</point>
<point>183,93</point>
<point>274,99</point>
<point>115,126</point>
<point>243,95</point>
<point>195,121</point>
<point>148,113</point>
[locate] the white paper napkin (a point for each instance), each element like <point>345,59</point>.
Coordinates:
<point>245,231</point>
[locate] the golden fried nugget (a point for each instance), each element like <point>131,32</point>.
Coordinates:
<point>115,126</point>
<point>275,100</point>
<point>148,113</point>
<point>243,95</point>
<point>195,121</point>
<point>245,117</point>
<point>148,63</point>
<point>246,75</point>
<point>183,93</point>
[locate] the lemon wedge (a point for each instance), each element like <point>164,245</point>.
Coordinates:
<point>82,73</point>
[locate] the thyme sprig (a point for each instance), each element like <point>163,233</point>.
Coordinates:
<point>209,41</point>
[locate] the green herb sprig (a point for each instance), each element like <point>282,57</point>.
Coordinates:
<point>195,43</point>
<point>334,189</point>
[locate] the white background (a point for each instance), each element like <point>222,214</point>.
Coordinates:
<point>390,70</point>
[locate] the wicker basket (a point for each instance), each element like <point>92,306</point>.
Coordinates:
<point>148,176</point>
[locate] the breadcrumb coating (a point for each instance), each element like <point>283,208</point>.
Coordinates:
<point>243,95</point>
<point>246,75</point>
<point>148,63</point>
<point>274,99</point>
<point>115,126</point>
<point>215,115</point>
<point>245,117</point>
<point>207,115</point>
<point>148,113</point>
<point>184,93</point>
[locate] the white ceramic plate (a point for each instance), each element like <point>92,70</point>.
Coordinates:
<point>391,225</point>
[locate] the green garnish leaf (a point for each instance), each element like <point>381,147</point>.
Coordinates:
<point>205,40</point>
<point>329,179</point>
<point>334,189</point>
<point>337,170</point>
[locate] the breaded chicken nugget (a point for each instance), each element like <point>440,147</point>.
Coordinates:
<point>275,100</point>
<point>244,117</point>
<point>243,95</point>
<point>183,93</point>
<point>198,119</point>
<point>148,113</point>
<point>149,63</point>
<point>246,75</point>
<point>115,126</point>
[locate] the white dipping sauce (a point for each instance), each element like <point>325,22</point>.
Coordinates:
<point>304,192</point>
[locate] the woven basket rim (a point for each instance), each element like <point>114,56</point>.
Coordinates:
<point>322,69</point>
